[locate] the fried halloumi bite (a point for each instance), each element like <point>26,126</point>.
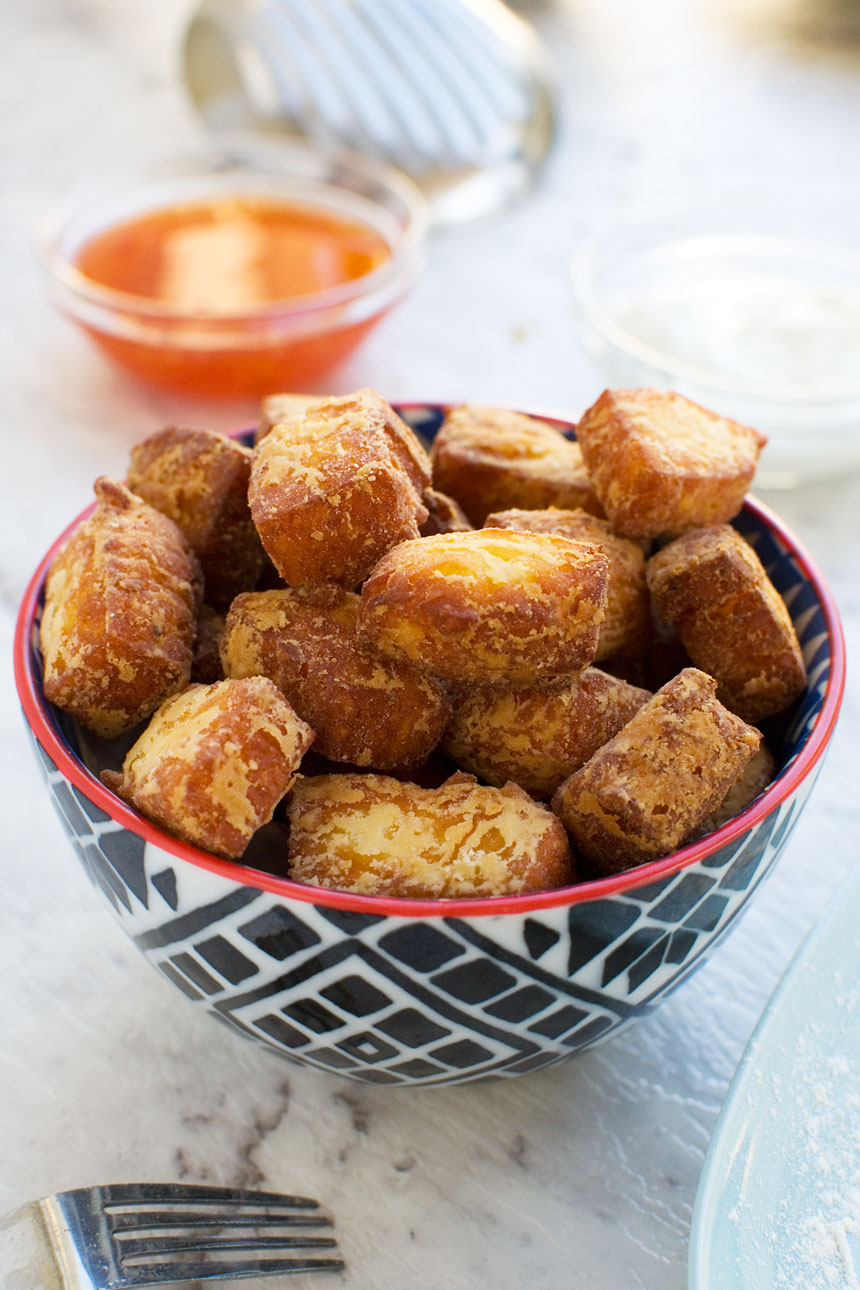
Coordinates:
<point>490,607</point>
<point>711,586</point>
<point>121,603</point>
<point>661,464</point>
<point>650,787</point>
<point>536,738</point>
<point>627,623</point>
<point>382,837</point>
<point>759,771</point>
<point>335,488</point>
<point>490,459</point>
<point>200,480</point>
<point>365,709</point>
<point>214,762</point>
<point>276,408</point>
<point>444,515</point>
<point>206,665</point>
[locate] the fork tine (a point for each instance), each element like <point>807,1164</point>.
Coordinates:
<point>149,1249</point>
<point>192,1193</point>
<point>140,1219</point>
<point>163,1274</point>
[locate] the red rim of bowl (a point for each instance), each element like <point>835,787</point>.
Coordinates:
<point>593,889</point>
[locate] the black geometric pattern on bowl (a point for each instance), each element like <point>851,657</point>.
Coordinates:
<point>437,1000</point>
<point>404,1000</point>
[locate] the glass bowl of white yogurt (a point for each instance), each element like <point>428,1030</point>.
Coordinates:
<point>752,309</point>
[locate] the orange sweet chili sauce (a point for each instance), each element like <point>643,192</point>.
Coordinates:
<point>222,261</point>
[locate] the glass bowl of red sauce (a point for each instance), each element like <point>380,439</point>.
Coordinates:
<point>238,269</point>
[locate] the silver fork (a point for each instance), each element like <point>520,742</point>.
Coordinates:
<point>127,1235</point>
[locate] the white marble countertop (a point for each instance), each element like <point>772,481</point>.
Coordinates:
<point>581,1177</point>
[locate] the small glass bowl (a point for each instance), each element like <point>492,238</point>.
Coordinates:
<point>753,312</point>
<point>278,345</point>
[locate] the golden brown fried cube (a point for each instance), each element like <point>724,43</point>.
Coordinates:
<point>711,586</point>
<point>365,709</point>
<point>444,515</point>
<point>214,762</point>
<point>283,407</point>
<point>538,737</point>
<point>121,602</point>
<point>661,464</point>
<point>652,785</point>
<point>335,488</point>
<point>759,771</point>
<point>206,664</point>
<point>200,480</point>
<point>492,607</point>
<point>666,656</point>
<point>627,623</point>
<point>381,837</point>
<point>491,459</point>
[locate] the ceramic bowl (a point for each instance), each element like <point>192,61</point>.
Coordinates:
<point>419,992</point>
<point>238,349</point>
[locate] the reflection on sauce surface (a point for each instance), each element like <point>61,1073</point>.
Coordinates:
<point>221,257</point>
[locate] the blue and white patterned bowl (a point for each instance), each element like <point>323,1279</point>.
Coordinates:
<point>437,992</point>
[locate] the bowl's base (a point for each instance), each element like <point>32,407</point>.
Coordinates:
<point>235,373</point>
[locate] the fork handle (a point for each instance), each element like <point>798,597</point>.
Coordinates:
<point>26,1254</point>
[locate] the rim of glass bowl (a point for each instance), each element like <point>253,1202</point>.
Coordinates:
<point>339,181</point>
<point>630,241</point>
<point>37,713</point>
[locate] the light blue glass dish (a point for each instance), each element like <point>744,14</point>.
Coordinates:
<point>778,1205</point>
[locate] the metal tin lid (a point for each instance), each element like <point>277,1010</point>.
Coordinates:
<point>453,92</point>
